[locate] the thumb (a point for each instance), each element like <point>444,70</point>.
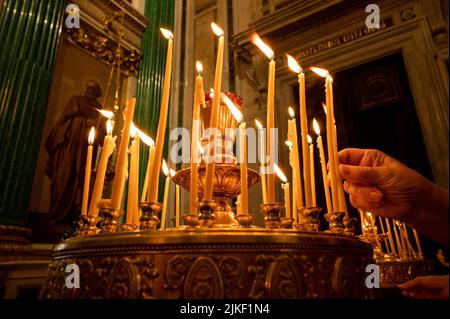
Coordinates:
<point>361,174</point>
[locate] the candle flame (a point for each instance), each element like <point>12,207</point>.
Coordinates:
<point>200,148</point>
<point>109,127</point>
<point>211,93</point>
<point>324,108</point>
<point>91,136</point>
<point>108,114</point>
<point>293,64</point>
<point>320,72</point>
<point>316,126</point>
<point>309,139</point>
<point>166,33</point>
<point>216,29</point>
<point>258,124</point>
<point>237,114</point>
<point>172,172</point>
<point>280,173</point>
<point>199,67</point>
<point>291,112</point>
<point>133,130</point>
<point>289,143</point>
<point>262,46</point>
<point>145,138</point>
<point>165,168</point>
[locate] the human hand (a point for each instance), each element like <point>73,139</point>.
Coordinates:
<point>381,184</point>
<point>430,287</point>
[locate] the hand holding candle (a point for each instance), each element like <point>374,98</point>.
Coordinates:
<point>87,172</point>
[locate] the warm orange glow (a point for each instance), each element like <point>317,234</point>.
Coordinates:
<point>258,124</point>
<point>199,67</point>
<point>172,173</point>
<point>165,168</point>
<point>200,148</point>
<point>91,136</point>
<point>133,130</point>
<point>289,143</point>
<point>262,46</point>
<point>108,114</point>
<point>293,64</point>
<point>109,127</point>
<point>237,114</point>
<point>145,138</point>
<point>216,29</point>
<point>316,127</point>
<point>280,173</point>
<point>291,112</point>
<point>309,139</point>
<point>320,72</point>
<point>324,108</point>
<point>166,33</point>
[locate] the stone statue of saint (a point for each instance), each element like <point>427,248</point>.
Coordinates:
<point>67,146</point>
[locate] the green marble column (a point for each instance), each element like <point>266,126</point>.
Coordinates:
<point>29,35</point>
<point>151,75</point>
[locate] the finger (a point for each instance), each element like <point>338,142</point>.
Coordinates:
<point>369,192</point>
<point>364,204</point>
<point>361,175</point>
<point>416,283</point>
<point>351,156</point>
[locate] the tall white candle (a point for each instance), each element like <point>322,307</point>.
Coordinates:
<point>166,195</point>
<point>87,172</point>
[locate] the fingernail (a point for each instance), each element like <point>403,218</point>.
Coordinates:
<point>375,196</point>
<point>345,170</point>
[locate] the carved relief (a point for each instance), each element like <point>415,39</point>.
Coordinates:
<point>283,280</point>
<point>233,273</point>
<point>203,280</point>
<point>123,281</point>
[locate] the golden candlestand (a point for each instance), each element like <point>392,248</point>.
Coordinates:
<point>211,264</point>
<point>227,176</point>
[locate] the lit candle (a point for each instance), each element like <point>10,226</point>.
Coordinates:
<point>151,156</point>
<point>87,172</point>
<point>166,194</point>
<point>209,179</point>
<point>285,187</point>
<point>198,98</point>
<point>330,144</point>
<point>401,252</point>
<point>323,163</point>
<point>152,195</point>
<point>242,152</point>
<point>404,231</point>
<point>109,143</point>
<point>262,157</point>
<point>390,236</point>
<point>133,179</point>
<point>416,236</point>
<point>270,113</point>
<point>342,201</point>
<point>238,205</point>
<point>313,173</point>
<point>380,220</point>
<point>120,171</point>
<point>295,67</point>
<point>292,135</point>
<point>177,200</point>
<point>147,140</point>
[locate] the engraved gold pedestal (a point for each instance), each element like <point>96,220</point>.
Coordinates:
<point>393,273</point>
<point>214,263</point>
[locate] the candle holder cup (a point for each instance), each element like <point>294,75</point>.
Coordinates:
<point>149,218</point>
<point>206,213</point>
<point>287,223</point>
<point>309,218</point>
<point>335,221</point>
<point>271,213</point>
<point>110,219</point>
<point>90,225</point>
<point>190,221</point>
<point>245,220</point>
<point>349,226</point>
<point>129,227</point>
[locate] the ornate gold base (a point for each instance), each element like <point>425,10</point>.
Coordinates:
<point>242,263</point>
<point>393,273</point>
